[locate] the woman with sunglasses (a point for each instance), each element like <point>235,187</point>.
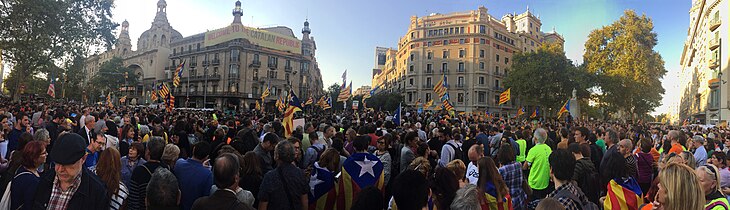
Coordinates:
<point>710,184</point>
<point>384,156</point>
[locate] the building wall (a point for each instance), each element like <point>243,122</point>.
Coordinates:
<point>475,59</point>
<point>704,96</point>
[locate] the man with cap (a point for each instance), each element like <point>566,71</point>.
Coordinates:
<point>70,185</point>
<point>698,142</point>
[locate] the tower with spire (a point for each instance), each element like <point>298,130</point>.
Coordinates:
<point>237,13</point>
<point>308,44</point>
<point>123,47</point>
<point>160,33</point>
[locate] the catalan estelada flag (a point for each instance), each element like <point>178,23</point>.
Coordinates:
<point>345,93</point>
<point>441,88</point>
<point>292,106</point>
<point>258,106</point>
<point>164,90</point>
<point>521,111</point>
<point>109,100</point>
<point>178,74</point>
<point>153,95</point>
<point>535,113</point>
<point>490,193</point>
<point>359,171</point>
<point>565,108</point>
<point>310,100</point>
<point>505,96</point>
<point>280,104</point>
<point>170,103</point>
<point>323,193</point>
<point>447,105</point>
<point>428,104</point>
<point>623,194</point>
<point>265,93</point>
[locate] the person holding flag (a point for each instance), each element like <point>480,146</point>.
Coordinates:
<point>535,113</point>
<point>505,96</point>
<point>345,93</point>
<point>52,88</point>
<point>428,104</point>
<point>293,106</point>
<point>397,115</point>
<point>178,74</point>
<point>521,111</point>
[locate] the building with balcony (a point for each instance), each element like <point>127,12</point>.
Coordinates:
<point>362,90</point>
<point>703,77</point>
<point>471,49</point>
<point>226,68</point>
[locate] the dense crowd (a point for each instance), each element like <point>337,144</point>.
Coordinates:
<point>70,156</point>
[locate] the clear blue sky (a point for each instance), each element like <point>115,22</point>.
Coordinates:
<point>347,32</point>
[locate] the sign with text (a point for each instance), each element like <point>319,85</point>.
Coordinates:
<point>255,36</point>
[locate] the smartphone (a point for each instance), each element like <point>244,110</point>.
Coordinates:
<point>73,114</point>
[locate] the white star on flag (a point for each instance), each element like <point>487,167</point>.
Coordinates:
<point>366,166</point>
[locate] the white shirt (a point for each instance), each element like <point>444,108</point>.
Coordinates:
<point>472,173</point>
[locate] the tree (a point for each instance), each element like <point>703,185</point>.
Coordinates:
<point>333,91</point>
<point>386,101</point>
<point>41,33</point>
<point>621,55</point>
<point>546,78</point>
<point>112,75</point>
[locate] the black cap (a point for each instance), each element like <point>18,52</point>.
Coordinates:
<point>68,149</point>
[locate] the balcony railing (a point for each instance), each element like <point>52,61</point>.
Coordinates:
<point>714,43</point>
<point>429,71</point>
<point>429,86</point>
<point>444,71</point>
<point>202,78</point>
<point>287,68</point>
<point>255,63</point>
<point>216,62</point>
<point>206,63</point>
<point>714,23</point>
<point>272,66</point>
<point>713,63</point>
<point>460,85</point>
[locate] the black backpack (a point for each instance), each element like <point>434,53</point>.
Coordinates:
<point>588,184</point>
<point>457,152</point>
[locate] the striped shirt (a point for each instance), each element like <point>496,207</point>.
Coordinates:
<point>118,198</point>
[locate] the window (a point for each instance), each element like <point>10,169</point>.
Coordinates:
<point>286,77</point>
<point>482,97</point>
<point>461,30</point>
<point>234,55</point>
<point>496,84</point>
<point>461,41</point>
<point>481,80</point>
<point>461,66</point>
<point>198,47</point>
<point>429,55</point>
<point>444,67</point>
<point>288,63</point>
<point>215,70</point>
<point>446,42</point>
<point>410,81</point>
<point>429,43</point>
<point>532,43</point>
<point>410,97</point>
<point>451,30</point>
<point>462,53</point>
<point>497,57</point>
<point>506,60</point>
<point>410,68</point>
<point>255,57</point>
<point>233,71</point>
<point>482,29</point>
<point>481,53</point>
<point>190,48</point>
<point>428,97</point>
<point>174,51</point>
<point>256,74</point>
<point>428,81</point>
<point>445,55</point>
<point>481,65</point>
<point>496,99</point>
<point>411,57</point>
<point>429,67</point>
<point>482,41</point>
<point>496,70</point>
<point>460,97</point>
<point>460,81</point>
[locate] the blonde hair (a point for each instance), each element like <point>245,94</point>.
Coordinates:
<point>420,164</point>
<point>714,174</point>
<point>170,154</point>
<point>683,187</point>
<point>458,168</point>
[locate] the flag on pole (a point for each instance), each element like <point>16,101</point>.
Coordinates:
<point>52,89</point>
<point>535,113</point>
<point>123,99</point>
<point>441,88</point>
<point>170,103</point>
<point>521,111</point>
<point>258,105</point>
<point>345,93</point>
<point>280,104</point>
<point>624,195</point>
<point>397,115</point>
<point>505,96</point>
<point>327,104</point>
<point>428,104</point>
<point>153,94</point>
<point>418,103</point>
<point>359,171</point>
<point>109,100</point>
<point>178,74</point>
<point>344,79</point>
<point>565,108</point>
<point>266,93</point>
<point>293,106</point>
<point>322,193</point>
<point>310,100</point>
<point>164,91</point>
<point>447,105</point>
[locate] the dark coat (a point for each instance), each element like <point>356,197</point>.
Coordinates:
<point>220,199</point>
<point>91,193</point>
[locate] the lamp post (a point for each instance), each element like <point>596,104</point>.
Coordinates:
<point>205,84</point>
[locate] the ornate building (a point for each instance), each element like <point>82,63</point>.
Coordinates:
<point>703,78</point>
<point>471,49</point>
<point>229,74</point>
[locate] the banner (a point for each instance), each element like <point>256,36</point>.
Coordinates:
<point>355,105</point>
<point>255,36</point>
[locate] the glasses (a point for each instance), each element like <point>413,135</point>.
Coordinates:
<point>101,142</point>
<point>381,142</point>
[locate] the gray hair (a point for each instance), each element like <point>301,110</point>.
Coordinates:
<point>699,139</point>
<point>612,136</point>
<point>162,190</point>
<point>626,143</point>
<point>42,135</point>
<point>285,151</point>
<point>170,153</point>
<point>673,135</point>
<point>541,135</point>
<point>466,198</point>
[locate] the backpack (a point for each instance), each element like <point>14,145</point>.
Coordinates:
<point>584,206</point>
<point>457,152</point>
<point>5,201</point>
<point>319,153</point>
<point>587,184</point>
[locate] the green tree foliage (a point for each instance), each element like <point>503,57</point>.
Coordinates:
<point>629,70</point>
<point>546,78</point>
<point>386,101</point>
<point>40,33</point>
<point>333,91</point>
<point>111,76</point>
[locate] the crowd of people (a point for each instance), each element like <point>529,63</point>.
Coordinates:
<point>70,156</point>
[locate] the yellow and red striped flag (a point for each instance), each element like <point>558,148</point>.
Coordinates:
<point>565,108</point>
<point>441,88</point>
<point>153,95</point>
<point>535,113</point>
<point>109,100</point>
<point>505,96</point>
<point>170,103</point>
<point>178,74</point>
<point>293,106</point>
<point>258,106</point>
<point>265,93</point>
<point>323,195</point>
<point>428,104</point>
<point>447,105</point>
<point>345,93</point>
<point>521,111</point>
<point>359,171</point>
<point>503,203</point>
<point>309,101</point>
<point>626,195</point>
<point>164,91</point>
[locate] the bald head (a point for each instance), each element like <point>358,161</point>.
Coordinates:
<point>625,146</point>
